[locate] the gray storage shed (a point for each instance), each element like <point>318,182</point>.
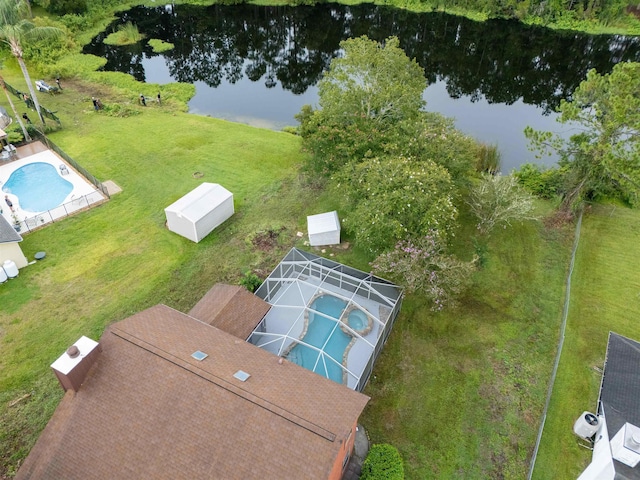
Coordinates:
<point>195,215</point>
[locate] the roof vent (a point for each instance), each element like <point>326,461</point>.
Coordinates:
<point>73,351</point>
<point>242,376</point>
<point>198,355</point>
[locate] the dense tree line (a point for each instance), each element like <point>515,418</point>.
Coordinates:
<point>603,11</point>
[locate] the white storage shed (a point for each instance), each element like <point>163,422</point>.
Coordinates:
<point>324,229</point>
<point>195,215</point>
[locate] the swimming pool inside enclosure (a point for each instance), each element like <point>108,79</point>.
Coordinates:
<point>327,317</point>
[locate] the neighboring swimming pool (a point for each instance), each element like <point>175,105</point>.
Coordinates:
<point>38,186</point>
<point>326,335</point>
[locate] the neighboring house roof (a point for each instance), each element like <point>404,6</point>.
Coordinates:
<point>7,232</point>
<point>620,392</point>
<point>231,308</point>
<point>147,409</point>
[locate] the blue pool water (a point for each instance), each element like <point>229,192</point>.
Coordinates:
<point>38,186</point>
<point>326,335</point>
<point>358,320</point>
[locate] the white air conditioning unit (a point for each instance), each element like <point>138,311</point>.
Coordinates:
<point>586,425</point>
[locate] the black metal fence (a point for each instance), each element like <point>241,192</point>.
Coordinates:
<point>90,178</point>
<point>29,224</point>
<point>45,111</point>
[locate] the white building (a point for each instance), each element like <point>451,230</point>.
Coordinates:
<point>195,215</point>
<point>324,229</point>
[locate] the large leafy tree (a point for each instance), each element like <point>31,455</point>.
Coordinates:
<point>365,94</point>
<point>603,158</point>
<point>395,198</point>
<point>15,29</point>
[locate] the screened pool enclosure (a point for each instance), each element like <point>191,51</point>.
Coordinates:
<point>327,317</point>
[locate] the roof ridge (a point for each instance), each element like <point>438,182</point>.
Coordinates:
<point>224,384</point>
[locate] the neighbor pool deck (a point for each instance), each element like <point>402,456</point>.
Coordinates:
<point>82,195</point>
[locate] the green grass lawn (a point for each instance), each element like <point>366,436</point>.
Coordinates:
<point>458,392</point>
<point>114,260</point>
<point>605,297</point>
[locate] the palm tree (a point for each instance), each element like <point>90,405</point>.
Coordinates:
<point>16,29</point>
<point>15,112</point>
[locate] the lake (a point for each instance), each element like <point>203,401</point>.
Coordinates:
<point>259,65</point>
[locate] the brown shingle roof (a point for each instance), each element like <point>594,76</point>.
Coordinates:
<point>231,308</point>
<point>149,410</point>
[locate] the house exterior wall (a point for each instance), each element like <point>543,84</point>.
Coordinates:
<point>12,251</point>
<point>346,449</point>
<point>324,238</point>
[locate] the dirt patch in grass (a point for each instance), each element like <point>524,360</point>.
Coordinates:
<point>267,240</point>
<point>558,220</point>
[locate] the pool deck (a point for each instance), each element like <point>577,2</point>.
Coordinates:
<point>82,195</point>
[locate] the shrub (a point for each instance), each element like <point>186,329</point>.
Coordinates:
<point>383,463</point>
<point>120,110</point>
<point>498,200</point>
<point>14,133</point>
<point>126,34</point>
<point>62,7</point>
<point>250,281</point>
<point>541,182</point>
<point>423,266</point>
<point>76,23</point>
<point>75,64</point>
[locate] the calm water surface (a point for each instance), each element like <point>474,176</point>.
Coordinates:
<point>259,65</point>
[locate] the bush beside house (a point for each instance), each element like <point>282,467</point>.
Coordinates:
<point>383,462</point>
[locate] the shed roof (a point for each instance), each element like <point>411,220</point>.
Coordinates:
<point>231,308</point>
<point>149,410</point>
<point>620,392</point>
<point>200,201</point>
<point>323,222</point>
<point>7,233</point>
